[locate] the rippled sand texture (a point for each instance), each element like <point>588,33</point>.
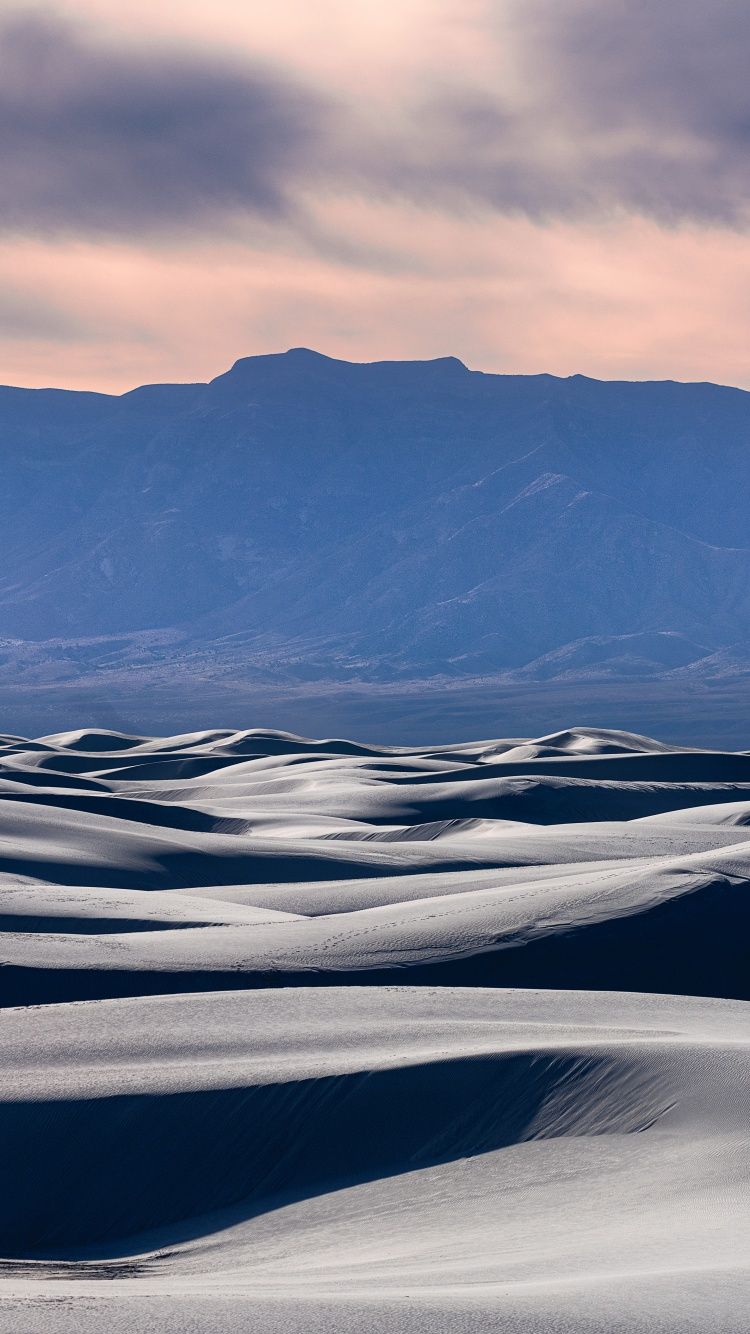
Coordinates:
<point>450,1039</point>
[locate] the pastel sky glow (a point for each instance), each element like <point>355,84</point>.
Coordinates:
<point>529,185</point>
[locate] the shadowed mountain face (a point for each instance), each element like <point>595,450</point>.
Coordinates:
<point>308,519</point>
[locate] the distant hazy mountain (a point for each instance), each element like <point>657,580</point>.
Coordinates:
<point>304,518</point>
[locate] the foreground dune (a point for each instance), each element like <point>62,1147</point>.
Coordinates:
<point>383,1151</point>
<point>451,1039</point>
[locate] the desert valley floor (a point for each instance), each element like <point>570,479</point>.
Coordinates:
<point>318,1036</point>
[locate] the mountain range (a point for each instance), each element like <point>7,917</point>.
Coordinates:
<point>304,519</point>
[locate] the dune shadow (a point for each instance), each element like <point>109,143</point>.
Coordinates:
<point>694,944</point>
<point>91,1175</point>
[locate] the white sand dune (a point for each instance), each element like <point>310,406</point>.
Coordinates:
<point>316,1036</point>
<point>382,1152</point>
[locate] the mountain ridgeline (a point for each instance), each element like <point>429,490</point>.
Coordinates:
<point>302,518</point>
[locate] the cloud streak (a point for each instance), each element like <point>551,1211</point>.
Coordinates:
<point>96,139</point>
<point>623,107</point>
<point>29,315</point>
<point>653,99</point>
<point>627,106</point>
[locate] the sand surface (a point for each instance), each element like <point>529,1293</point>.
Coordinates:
<point>310,1035</point>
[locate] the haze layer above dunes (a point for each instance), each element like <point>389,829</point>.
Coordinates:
<point>373,1039</point>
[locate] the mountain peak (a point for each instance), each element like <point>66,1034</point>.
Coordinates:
<point>308,358</point>
<point>305,354</point>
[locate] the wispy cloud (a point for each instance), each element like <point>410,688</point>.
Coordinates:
<point>621,106</point>
<point>595,108</point>
<point>652,101</point>
<point>28,314</point>
<point>103,138</point>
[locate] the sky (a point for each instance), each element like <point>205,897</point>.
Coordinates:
<point>528,185</point>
